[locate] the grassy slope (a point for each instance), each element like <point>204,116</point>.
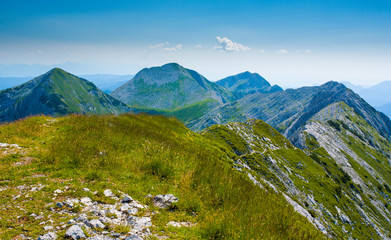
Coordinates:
<point>185,114</point>
<point>315,175</point>
<point>137,154</point>
<point>76,92</point>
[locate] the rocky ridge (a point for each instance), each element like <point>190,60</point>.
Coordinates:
<point>335,186</point>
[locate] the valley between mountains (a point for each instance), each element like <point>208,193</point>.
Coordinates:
<point>172,155</point>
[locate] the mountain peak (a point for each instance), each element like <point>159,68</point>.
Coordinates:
<point>56,92</point>
<point>56,71</point>
<point>173,64</point>
<point>247,82</point>
<point>168,87</point>
<point>333,84</point>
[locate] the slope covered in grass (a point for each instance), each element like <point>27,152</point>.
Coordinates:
<point>137,155</point>
<point>340,182</point>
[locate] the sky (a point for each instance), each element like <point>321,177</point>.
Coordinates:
<point>290,43</point>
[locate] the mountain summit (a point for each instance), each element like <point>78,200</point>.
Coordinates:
<point>247,82</point>
<point>56,92</point>
<point>168,87</point>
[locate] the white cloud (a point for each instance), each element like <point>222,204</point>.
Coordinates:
<point>174,49</point>
<point>159,45</point>
<point>282,51</point>
<point>308,51</point>
<point>198,46</point>
<point>229,46</point>
<point>262,51</point>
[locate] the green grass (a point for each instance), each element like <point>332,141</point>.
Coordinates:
<point>139,155</point>
<point>313,171</point>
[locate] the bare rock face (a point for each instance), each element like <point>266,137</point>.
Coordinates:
<point>289,110</point>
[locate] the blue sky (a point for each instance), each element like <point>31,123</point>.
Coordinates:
<point>290,43</point>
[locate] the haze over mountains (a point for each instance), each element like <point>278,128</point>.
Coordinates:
<point>378,95</point>
<point>324,148</point>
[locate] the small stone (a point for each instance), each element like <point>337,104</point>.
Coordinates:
<point>95,223</point>
<point>100,237</point>
<point>86,201</point>
<point>139,223</point>
<point>132,211</point>
<point>81,218</point>
<point>164,201</point>
<point>174,224</point>
<point>71,221</point>
<point>149,196</point>
<point>48,236</point>
<point>46,228</point>
<point>127,199</point>
<point>75,232</point>
<point>135,204</point>
<point>86,189</point>
<point>133,237</point>
<point>108,193</point>
<point>115,235</point>
<point>124,208</point>
<point>58,191</point>
<point>101,213</point>
<point>105,220</point>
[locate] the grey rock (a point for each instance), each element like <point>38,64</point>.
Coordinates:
<point>140,222</point>
<point>95,223</point>
<point>116,235</point>
<point>82,218</point>
<point>48,236</point>
<point>133,237</point>
<point>75,232</point>
<point>108,193</point>
<point>164,201</point>
<point>127,199</point>
<point>71,221</point>
<point>46,228</point>
<point>100,237</point>
<point>86,201</point>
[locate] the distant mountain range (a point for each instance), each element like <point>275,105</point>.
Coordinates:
<point>107,82</point>
<point>324,148</point>
<point>378,95</point>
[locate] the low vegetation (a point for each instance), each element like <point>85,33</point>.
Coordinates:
<point>138,155</point>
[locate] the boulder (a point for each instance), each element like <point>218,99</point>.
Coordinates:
<point>127,199</point>
<point>75,232</point>
<point>48,236</point>
<point>140,222</point>
<point>133,237</point>
<point>95,223</point>
<point>164,201</point>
